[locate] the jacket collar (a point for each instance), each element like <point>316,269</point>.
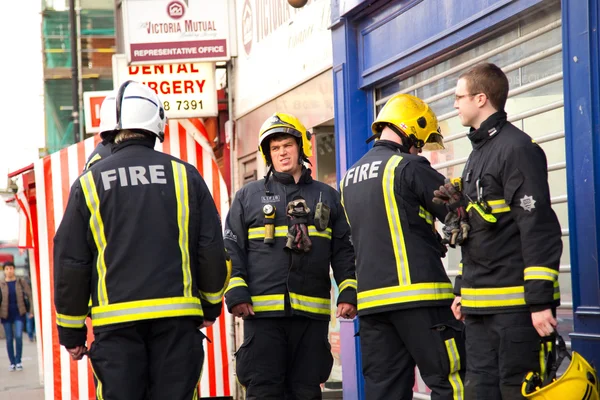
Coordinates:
<point>391,145</point>
<point>488,129</point>
<point>148,141</point>
<point>287,179</point>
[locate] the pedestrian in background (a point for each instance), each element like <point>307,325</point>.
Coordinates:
<point>15,295</point>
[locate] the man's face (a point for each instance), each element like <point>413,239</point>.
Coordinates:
<point>285,154</point>
<point>9,272</point>
<point>466,104</point>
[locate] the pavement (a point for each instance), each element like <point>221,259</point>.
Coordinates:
<point>20,385</point>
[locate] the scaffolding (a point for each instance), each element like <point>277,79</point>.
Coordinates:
<point>97,44</point>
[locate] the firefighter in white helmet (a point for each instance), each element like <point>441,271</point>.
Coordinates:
<point>142,237</point>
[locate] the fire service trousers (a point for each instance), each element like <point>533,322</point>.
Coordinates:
<point>393,342</point>
<point>284,358</point>
<point>148,360</point>
<point>501,350</point>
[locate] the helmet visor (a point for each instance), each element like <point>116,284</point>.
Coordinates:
<point>435,141</point>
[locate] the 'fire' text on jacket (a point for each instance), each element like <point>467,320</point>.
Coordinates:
<point>363,172</point>
<point>137,175</point>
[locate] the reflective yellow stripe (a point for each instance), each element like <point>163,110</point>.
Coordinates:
<point>342,200</point>
<point>98,385</point>
<point>236,282</point>
<point>212,298</point>
<point>391,209</point>
<point>405,294</point>
<point>460,268</point>
<point>315,305</point>
<point>458,389</point>
<point>183,217</point>
<point>215,298</point>
<point>493,297</point>
<point>268,302</point>
<point>146,309</point>
<point>281,231</point>
<point>556,290</point>
<point>542,363</point>
<point>543,273</point>
<point>347,283</point>
<point>97,226</point>
<point>545,349</point>
<point>69,321</point>
<point>259,233</point>
<point>498,297</point>
<point>426,215</point>
<point>498,206</point>
<point>93,160</point>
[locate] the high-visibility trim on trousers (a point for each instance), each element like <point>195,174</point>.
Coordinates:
<point>498,297</point>
<point>146,309</point>
<point>268,302</point>
<point>99,395</point>
<point>455,365</point>
<point>97,227</point>
<point>393,217</point>
<point>183,217</point>
<point>405,294</point>
<point>281,231</point>
<point>70,321</point>
<point>315,305</point>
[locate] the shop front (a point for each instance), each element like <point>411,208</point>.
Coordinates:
<point>418,47</point>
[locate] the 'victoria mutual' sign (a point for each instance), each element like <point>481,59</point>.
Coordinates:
<point>163,31</point>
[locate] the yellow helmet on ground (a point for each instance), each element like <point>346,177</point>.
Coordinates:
<point>287,124</point>
<point>411,116</point>
<point>578,382</point>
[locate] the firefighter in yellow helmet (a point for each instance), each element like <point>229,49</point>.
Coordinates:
<point>578,382</point>
<point>404,295</point>
<point>282,234</point>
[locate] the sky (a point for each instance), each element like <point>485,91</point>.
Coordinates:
<point>21,98</point>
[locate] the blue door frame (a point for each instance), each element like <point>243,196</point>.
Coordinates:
<point>364,56</point>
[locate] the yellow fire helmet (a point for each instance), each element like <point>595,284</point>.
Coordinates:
<point>412,117</point>
<point>284,123</point>
<point>578,382</point>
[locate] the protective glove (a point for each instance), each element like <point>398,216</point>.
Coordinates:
<point>455,229</point>
<point>451,196</point>
<point>297,237</point>
<point>456,224</point>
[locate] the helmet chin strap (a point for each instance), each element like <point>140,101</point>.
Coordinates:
<point>407,141</point>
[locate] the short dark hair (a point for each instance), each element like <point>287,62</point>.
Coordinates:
<point>489,79</point>
<point>8,264</point>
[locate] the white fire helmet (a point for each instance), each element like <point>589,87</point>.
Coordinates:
<point>133,106</point>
